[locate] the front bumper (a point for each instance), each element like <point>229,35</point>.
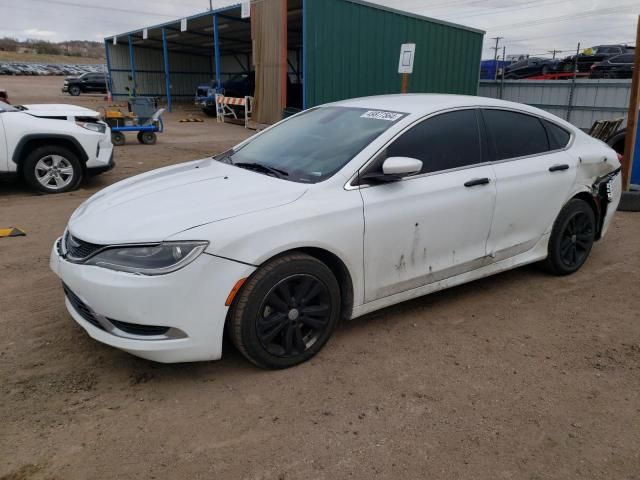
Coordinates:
<point>101,155</point>
<point>188,303</point>
<point>102,168</point>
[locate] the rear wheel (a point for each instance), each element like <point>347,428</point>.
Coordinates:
<point>147,138</point>
<point>572,238</point>
<point>285,312</point>
<point>52,169</point>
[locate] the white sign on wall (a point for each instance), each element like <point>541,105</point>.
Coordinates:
<point>183,25</point>
<point>407,54</point>
<point>145,34</point>
<point>115,40</point>
<point>245,11</point>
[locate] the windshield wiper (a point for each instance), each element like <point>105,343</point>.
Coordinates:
<point>259,167</point>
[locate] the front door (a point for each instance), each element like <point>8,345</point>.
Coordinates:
<point>433,225</point>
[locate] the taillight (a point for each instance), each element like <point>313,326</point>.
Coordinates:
<point>620,157</point>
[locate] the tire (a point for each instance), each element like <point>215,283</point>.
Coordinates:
<point>74,90</point>
<point>52,169</point>
<point>118,139</point>
<point>209,112</point>
<point>302,326</point>
<point>617,141</point>
<point>147,138</point>
<point>572,238</point>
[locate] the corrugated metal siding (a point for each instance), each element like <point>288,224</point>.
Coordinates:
<point>186,72</point>
<point>352,50</point>
<point>593,99</point>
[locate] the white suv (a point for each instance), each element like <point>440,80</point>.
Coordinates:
<point>53,147</point>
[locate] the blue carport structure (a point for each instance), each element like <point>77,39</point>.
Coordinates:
<point>172,59</point>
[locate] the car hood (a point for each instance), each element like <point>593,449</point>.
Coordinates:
<point>58,110</point>
<point>156,205</point>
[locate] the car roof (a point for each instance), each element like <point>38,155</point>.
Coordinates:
<point>425,103</point>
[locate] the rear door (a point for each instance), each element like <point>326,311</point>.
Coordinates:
<point>534,176</point>
<point>433,225</point>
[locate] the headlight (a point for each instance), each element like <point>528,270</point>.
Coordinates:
<point>157,259</point>
<point>94,127</point>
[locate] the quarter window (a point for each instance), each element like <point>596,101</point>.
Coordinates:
<point>558,137</point>
<point>515,134</point>
<point>449,140</point>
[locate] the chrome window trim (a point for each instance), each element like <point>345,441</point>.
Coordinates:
<point>349,185</point>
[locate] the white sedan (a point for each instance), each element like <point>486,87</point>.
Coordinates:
<point>331,214</point>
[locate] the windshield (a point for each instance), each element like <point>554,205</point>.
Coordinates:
<point>314,145</point>
<point>5,107</point>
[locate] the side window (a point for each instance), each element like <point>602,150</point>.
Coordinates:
<point>449,140</point>
<point>515,134</point>
<point>558,136</point>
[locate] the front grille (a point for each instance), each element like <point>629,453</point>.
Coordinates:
<point>83,309</point>
<point>137,329</point>
<point>79,249</point>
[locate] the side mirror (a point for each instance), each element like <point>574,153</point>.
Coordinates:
<point>394,169</point>
<point>401,166</point>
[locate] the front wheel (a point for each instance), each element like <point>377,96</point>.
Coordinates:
<point>52,169</point>
<point>118,138</point>
<point>74,90</point>
<point>285,312</point>
<point>572,238</point>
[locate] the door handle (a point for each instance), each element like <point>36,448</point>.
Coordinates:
<point>477,181</point>
<point>559,168</point>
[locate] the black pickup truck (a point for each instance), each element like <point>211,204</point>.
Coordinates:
<point>87,83</point>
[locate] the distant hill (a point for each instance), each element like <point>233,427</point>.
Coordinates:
<point>73,48</point>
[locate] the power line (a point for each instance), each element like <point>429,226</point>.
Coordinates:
<point>562,18</point>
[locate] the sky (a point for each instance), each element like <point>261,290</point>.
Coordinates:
<point>528,26</point>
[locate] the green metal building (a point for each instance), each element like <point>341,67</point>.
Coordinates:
<point>352,50</point>
<point>335,49</point>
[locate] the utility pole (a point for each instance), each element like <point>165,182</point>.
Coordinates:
<point>554,51</point>
<point>495,56</point>
<point>504,58</point>
<point>210,5</point>
<point>632,121</point>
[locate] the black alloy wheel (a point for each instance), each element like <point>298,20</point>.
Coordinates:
<point>285,311</point>
<point>577,240</point>
<point>294,314</point>
<point>572,238</point>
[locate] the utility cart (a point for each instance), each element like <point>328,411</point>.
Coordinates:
<point>143,116</point>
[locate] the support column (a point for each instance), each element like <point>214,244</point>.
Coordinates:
<point>132,63</point>
<point>167,79</point>
<point>108,57</point>
<point>216,52</point>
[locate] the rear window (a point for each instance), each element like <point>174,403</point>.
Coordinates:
<point>515,134</point>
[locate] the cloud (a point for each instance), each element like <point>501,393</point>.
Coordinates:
<point>36,32</point>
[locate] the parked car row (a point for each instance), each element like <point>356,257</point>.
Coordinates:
<point>603,61</point>
<point>49,69</point>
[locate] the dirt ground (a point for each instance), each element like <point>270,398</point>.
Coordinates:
<point>518,376</point>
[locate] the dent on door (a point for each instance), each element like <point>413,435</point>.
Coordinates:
<point>424,230</point>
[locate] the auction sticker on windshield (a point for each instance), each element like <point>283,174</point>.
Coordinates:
<point>382,115</point>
